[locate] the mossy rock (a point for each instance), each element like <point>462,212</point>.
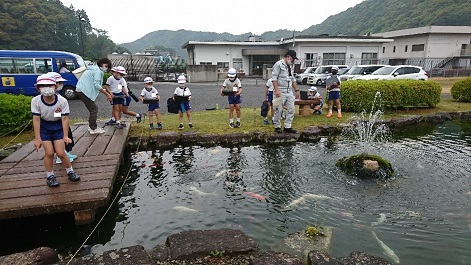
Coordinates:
<point>366,166</point>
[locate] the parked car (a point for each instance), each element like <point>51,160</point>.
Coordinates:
<point>359,70</point>
<point>396,72</point>
<point>318,77</point>
<point>340,73</point>
<point>302,77</point>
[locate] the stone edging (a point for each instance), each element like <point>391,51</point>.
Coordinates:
<point>309,134</point>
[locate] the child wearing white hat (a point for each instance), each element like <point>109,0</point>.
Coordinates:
<point>51,127</point>
<point>313,94</point>
<point>116,85</point>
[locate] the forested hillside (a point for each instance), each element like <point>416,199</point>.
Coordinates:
<point>387,15</point>
<point>49,25</point>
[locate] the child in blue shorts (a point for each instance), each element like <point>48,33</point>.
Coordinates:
<point>51,127</point>
<point>150,92</point>
<point>182,95</point>
<point>233,85</point>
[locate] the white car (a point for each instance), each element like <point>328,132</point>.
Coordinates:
<point>360,70</point>
<point>396,72</point>
<point>302,77</point>
<point>321,73</point>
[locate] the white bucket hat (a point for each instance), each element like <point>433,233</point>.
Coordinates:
<point>45,79</point>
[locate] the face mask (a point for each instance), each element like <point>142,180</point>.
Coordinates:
<point>148,87</point>
<point>103,69</point>
<point>289,61</point>
<point>181,85</point>
<point>48,91</point>
<point>232,79</point>
<point>60,87</point>
<point>117,77</point>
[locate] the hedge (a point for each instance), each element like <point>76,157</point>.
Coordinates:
<point>15,112</point>
<point>358,95</point>
<point>461,90</point>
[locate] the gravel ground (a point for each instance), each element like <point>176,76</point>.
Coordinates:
<point>204,96</point>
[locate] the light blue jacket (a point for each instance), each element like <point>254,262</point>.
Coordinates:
<point>91,82</point>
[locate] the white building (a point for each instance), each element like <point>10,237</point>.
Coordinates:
<point>429,47</point>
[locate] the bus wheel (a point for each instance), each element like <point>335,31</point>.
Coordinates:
<point>68,92</point>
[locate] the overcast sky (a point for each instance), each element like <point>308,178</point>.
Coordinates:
<point>129,20</point>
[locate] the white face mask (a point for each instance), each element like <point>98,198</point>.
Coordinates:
<point>289,61</point>
<point>181,85</point>
<point>103,69</point>
<point>48,91</point>
<point>60,87</point>
<point>148,87</point>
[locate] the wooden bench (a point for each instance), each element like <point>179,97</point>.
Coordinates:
<point>305,105</point>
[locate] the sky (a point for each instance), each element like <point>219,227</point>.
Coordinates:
<point>129,20</point>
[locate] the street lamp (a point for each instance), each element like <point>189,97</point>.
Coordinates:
<point>81,19</point>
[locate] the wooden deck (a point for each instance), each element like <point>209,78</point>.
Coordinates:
<point>23,189</point>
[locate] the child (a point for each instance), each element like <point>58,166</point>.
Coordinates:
<point>116,86</point>
<point>68,147</point>
<point>125,108</point>
<point>313,94</point>
<point>233,84</point>
<point>51,127</point>
<point>182,95</point>
<point>150,92</point>
<point>269,98</point>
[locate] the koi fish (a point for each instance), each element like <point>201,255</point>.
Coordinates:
<point>185,209</point>
<point>316,197</point>
<point>381,219</point>
<point>201,193</point>
<point>300,200</point>
<point>386,250</point>
<point>254,195</point>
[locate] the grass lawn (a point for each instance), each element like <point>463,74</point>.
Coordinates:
<point>217,121</point>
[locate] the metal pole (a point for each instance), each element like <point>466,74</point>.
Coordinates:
<point>81,35</point>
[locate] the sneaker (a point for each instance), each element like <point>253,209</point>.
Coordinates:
<point>59,161</point>
<point>190,125</point>
<point>71,156</point>
<point>120,126</point>
<point>123,124</point>
<point>180,127</point>
<point>339,115</point>
<point>97,131</point>
<point>319,112</point>
<point>290,130</point>
<point>73,176</point>
<point>272,121</point>
<point>231,125</point>
<point>329,115</point>
<point>151,126</point>
<point>51,181</point>
<point>110,122</point>
<point>265,121</point>
<point>278,130</point>
<point>159,126</point>
<point>237,125</point>
<point>139,118</point>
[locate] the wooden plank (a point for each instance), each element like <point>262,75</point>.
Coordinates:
<point>115,145</point>
<point>46,204</point>
<point>21,153</point>
<point>40,181</point>
<point>42,189</point>
<point>99,146</point>
<point>6,165</point>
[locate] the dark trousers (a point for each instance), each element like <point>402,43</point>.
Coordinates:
<point>92,108</point>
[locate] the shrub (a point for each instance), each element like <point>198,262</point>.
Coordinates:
<point>461,90</point>
<point>358,95</point>
<point>15,112</point>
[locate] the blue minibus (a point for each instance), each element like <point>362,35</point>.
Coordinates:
<point>20,68</point>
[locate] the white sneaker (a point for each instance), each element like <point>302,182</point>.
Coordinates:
<point>58,161</point>
<point>98,130</point>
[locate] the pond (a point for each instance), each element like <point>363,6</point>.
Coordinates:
<point>423,214</point>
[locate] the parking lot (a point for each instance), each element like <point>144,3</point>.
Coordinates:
<point>204,96</point>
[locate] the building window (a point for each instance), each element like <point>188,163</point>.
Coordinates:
<point>310,59</point>
<point>369,58</point>
<point>223,65</point>
<point>384,49</point>
<point>394,48</point>
<point>418,47</point>
<point>206,63</point>
<point>405,48</point>
<point>237,64</point>
<point>333,58</point>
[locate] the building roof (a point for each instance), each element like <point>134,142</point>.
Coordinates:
<point>426,30</point>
